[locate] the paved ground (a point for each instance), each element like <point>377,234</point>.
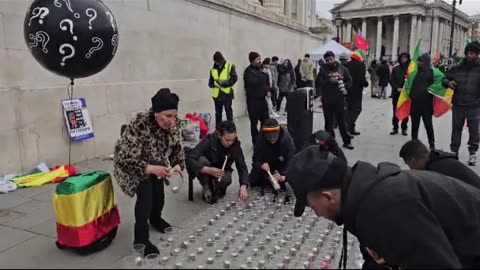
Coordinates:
<point>27,223</point>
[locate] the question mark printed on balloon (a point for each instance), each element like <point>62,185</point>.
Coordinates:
<point>92,13</point>
<point>95,48</point>
<point>111,19</point>
<point>70,27</point>
<point>39,12</point>
<point>68,5</point>
<point>63,52</point>
<point>41,37</point>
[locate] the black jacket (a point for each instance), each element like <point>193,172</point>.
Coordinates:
<point>256,82</point>
<point>329,88</point>
<point>448,164</point>
<point>357,72</point>
<point>467,91</point>
<point>212,149</point>
<point>383,73</point>
<point>397,79</point>
<point>277,155</point>
<point>422,100</point>
<point>413,219</point>
<point>229,83</point>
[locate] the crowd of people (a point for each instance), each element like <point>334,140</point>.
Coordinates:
<point>426,217</point>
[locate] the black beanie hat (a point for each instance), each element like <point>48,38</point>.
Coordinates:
<point>473,46</point>
<point>218,57</point>
<point>252,56</point>
<point>164,100</point>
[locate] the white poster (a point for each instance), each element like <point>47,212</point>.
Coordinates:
<point>77,119</point>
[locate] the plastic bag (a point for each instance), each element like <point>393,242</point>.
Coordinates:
<point>191,132</point>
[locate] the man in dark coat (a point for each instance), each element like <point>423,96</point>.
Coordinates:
<point>357,71</point>
<point>397,80</point>
<point>222,89</point>
<point>422,100</point>
<point>273,151</point>
<point>383,73</point>
<point>404,219</point>
<point>417,157</point>
<point>257,89</point>
<point>465,81</point>
<point>334,81</point>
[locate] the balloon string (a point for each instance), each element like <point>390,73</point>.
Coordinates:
<point>70,97</point>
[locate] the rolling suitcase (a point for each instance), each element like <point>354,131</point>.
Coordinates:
<point>300,116</point>
<point>86,212</point>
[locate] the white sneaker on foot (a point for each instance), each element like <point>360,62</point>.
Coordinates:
<point>472,160</point>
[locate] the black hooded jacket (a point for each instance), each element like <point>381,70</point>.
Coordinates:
<point>256,83</point>
<point>357,71</point>
<point>397,79</point>
<point>467,90</point>
<point>413,219</point>
<point>422,100</point>
<point>329,87</point>
<point>448,164</point>
<point>212,149</point>
<point>277,155</point>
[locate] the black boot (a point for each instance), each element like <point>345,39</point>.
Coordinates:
<point>404,132</point>
<point>394,132</point>
<point>142,235</point>
<point>160,225</point>
<point>348,146</point>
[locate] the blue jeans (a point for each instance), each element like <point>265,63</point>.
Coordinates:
<point>472,116</point>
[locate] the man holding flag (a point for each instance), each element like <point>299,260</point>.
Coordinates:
<point>423,95</point>
<point>465,81</point>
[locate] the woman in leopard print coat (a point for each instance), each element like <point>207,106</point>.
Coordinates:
<point>142,159</point>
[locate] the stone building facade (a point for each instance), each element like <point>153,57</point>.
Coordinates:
<point>394,26</point>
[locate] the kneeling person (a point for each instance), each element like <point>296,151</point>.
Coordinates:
<point>417,157</point>
<point>274,148</point>
<point>207,161</point>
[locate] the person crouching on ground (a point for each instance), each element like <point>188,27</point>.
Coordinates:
<point>143,155</point>
<point>417,157</point>
<point>327,144</point>
<point>274,148</point>
<point>207,161</point>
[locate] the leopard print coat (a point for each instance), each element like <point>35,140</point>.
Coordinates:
<point>143,143</point>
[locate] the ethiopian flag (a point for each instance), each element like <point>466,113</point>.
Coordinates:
<point>85,209</point>
<point>404,102</point>
<point>442,101</point>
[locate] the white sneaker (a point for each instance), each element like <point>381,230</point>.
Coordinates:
<point>472,160</point>
<point>274,114</point>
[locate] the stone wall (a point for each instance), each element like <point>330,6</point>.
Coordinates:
<point>163,43</point>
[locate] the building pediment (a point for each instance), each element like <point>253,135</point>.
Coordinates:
<point>349,5</point>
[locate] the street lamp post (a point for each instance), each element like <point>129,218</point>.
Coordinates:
<point>338,23</point>
<point>454,6</point>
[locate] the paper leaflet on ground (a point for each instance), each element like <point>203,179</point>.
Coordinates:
<point>77,119</point>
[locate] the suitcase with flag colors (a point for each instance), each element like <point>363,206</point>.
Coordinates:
<point>86,212</point>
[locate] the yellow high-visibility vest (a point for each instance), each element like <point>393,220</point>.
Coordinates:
<point>222,77</point>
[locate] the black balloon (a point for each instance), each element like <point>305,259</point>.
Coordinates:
<point>72,38</point>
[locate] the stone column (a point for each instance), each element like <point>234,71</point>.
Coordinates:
<point>344,31</point>
<point>313,9</point>
<point>441,36</point>
<point>378,50</point>
<point>288,8</point>
<point>348,34</point>
<point>434,47</point>
<point>301,12</point>
<point>274,5</point>
<point>419,34</point>
<point>396,32</point>
<point>413,34</point>
<point>364,27</point>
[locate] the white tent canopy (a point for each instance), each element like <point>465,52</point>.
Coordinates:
<point>333,46</point>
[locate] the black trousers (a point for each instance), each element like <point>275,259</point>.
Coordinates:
<point>281,96</point>
<point>427,117</point>
<point>149,206</point>
<point>205,179</point>
<point>354,108</point>
<point>273,98</point>
<point>336,112</point>
<point>259,178</point>
<point>219,105</point>
<point>394,117</point>
<point>257,112</point>
<point>459,116</point>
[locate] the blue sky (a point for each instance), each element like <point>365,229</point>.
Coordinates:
<point>470,7</point>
